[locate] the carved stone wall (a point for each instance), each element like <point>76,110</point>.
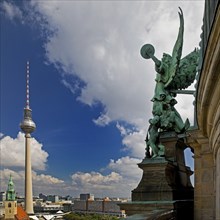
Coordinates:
<point>207,138</point>
<point>218,185</point>
<point>209,16</point>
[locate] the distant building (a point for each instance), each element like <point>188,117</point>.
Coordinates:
<point>43,197</point>
<point>50,208</point>
<point>86,196</point>
<point>68,207</point>
<point>53,198</point>
<point>52,205</point>
<point>68,198</point>
<point>105,206</point>
<point>2,196</point>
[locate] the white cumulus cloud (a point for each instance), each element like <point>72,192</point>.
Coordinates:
<point>134,142</point>
<point>95,179</point>
<point>126,166</point>
<point>96,182</point>
<point>100,42</point>
<point>122,172</point>
<point>16,157</point>
<point>12,11</point>
<point>41,183</point>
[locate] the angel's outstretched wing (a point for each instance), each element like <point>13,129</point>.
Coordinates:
<point>186,72</point>
<point>177,51</point>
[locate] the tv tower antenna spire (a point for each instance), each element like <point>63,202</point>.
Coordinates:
<point>27,87</point>
<point>28,126</point>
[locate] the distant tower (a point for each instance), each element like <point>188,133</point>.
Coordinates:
<point>10,202</point>
<point>28,126</point>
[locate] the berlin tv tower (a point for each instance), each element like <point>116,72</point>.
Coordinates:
<point>28,126</point>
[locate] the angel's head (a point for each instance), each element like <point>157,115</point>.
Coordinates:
<point>166,58</point>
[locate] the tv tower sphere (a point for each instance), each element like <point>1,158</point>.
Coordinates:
<point>27,125</point>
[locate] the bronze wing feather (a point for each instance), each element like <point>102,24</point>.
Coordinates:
<point>177,51</point>
<point>186,72</point>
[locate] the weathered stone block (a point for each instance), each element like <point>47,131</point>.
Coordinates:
<point>207,175</point>
<point>207,202</point>
<point>207,189</point>
<point>207,161</point>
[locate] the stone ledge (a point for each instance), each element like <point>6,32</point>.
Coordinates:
<point>149,209</point>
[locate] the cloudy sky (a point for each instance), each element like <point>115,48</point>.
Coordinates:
<point>90,89</point>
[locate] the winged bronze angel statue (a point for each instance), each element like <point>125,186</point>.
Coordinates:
<point>173,74</point>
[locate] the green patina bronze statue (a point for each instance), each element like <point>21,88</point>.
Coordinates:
<point>173,75</point>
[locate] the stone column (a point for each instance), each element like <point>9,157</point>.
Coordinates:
<point>204,194</point>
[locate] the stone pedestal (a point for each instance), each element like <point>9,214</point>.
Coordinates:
<point>165,180</point>
<point>161,181</point>
<point>154,185</point>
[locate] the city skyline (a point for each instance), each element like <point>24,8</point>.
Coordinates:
<point>90,89</point>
